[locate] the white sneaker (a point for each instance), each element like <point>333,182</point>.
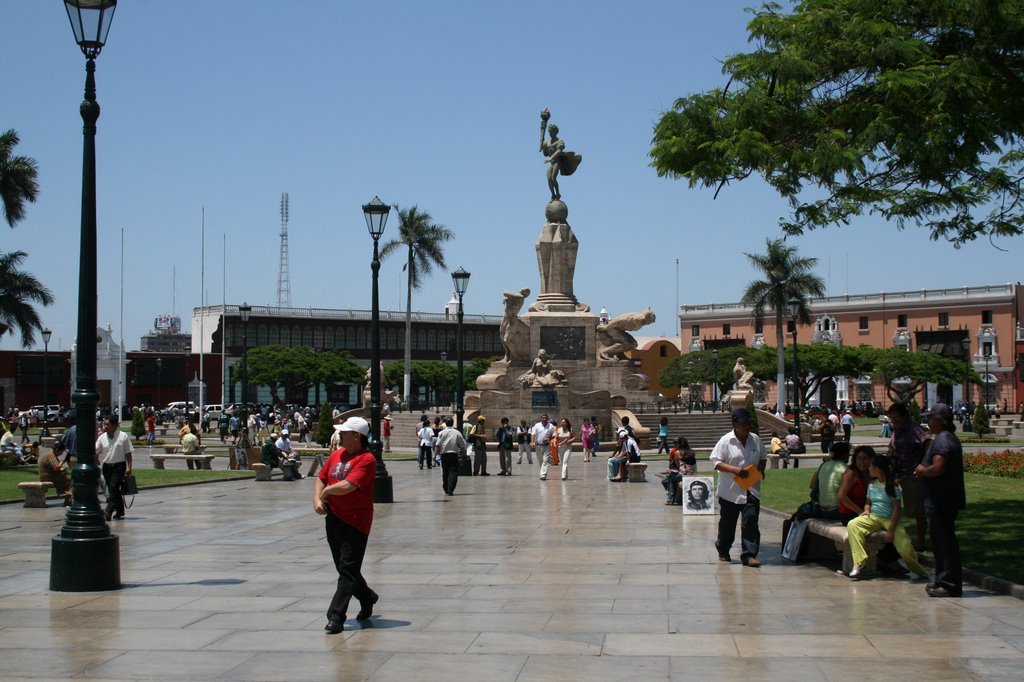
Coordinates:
<point>564,477</point>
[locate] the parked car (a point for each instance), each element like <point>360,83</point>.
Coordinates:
<point>48,412</point>
<point>214,411</point>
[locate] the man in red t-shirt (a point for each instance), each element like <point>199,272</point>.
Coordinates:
<point>344,493</point>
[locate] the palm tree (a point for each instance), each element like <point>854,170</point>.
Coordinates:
<point>17,290</point>
<point>422,238</point>
<point>17,179</point>
<point>787,276</point>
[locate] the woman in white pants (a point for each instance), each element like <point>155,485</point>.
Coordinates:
<point>564,439</point>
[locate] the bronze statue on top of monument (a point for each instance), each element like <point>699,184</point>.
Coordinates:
<point>558,159</point>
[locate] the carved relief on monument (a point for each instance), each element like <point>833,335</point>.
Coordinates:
<point>614,339</point>
<point>542,374</point>
<point>515,334</point>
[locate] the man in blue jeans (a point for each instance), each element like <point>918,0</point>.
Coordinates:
<point>731,457</point>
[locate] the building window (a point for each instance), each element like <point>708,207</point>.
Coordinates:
<point>695,330</point>
<point>901,320</point>
<point>790,326</point>
<point>986,348</point>
<point>986,317</point>
<point>943,319</point>
<point>663,352</point>
<point>726,329</point>
<point>759,326</point>
<point>862,323</point>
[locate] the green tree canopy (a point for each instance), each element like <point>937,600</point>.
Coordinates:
<point>297,369</point>
<point>18,184</point>
<point>904,374</point>
<point>699,367</point>
<point>908,109</point>
<point>18,290</point>
<point>787,277</point>
<point>422,240</point>
<point>820,362</point>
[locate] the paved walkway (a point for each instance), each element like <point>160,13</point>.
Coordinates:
<point>510,579</point>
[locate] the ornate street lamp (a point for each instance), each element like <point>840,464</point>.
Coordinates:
<point>444,377</point>
<point>987,383</point>
<point>244,311</point>
<point>460,279</point>
<point>85,557</point>
<point>925,351</point>
<point>794,311</point>
<point>376,213</point>
<point>965,343</point>
<point>46,401</point>
<point>714,380</point>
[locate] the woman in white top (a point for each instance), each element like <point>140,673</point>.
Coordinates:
<point>564,438</point>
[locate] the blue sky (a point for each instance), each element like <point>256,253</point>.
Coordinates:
<point>227,104</point>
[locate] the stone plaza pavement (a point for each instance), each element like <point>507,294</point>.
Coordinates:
<point>510,579</point>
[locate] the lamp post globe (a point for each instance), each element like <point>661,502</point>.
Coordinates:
<point>85,556</point>
<point>376,213</point>
<point>460,280</point>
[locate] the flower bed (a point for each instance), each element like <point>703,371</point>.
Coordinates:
<point>1007,464</point>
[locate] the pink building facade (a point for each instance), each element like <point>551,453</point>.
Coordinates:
<point>980,325</point>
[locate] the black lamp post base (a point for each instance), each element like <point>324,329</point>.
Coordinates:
<point>85,564</point>
<point>383,489</point>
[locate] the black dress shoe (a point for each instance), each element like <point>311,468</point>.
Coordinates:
<point>939,591</point>
<point>108,515</point>
<point>367,610</point>
<point>333,627</point>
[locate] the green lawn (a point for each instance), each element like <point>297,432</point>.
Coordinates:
<point>989,529</point>
<point>10,478</point>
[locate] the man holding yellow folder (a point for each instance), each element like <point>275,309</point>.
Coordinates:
<point>739,459</point>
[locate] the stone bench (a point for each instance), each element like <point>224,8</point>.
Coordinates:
<point>35,492</point>
<point>825,538</point>
<point>636,472</point>
<point>176,449</point>
<point>773,460</point>
<point>261,470</point>
<point>204,460</point>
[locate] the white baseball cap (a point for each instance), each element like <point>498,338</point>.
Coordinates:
<point>357,424</point>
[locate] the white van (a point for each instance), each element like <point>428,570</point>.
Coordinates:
<point>214,411</point>
<point>180,407</point>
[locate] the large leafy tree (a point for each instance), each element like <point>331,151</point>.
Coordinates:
<point>701,367</point>
<point>422,240</point>
<point>821,362</point>
<point>908,109</point>
<point>904,374</point>
<point>297,369</point>
<point>18,175</point>
<point>786,276</point>
<point>18,291</point>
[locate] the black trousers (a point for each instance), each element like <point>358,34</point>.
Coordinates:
<point>113,477</point>
<point>348,546</point>
<point>948,569</point>
<point>449,471</point>
<point>750,534</point>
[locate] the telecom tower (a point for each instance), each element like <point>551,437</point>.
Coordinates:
<point>284,280</point>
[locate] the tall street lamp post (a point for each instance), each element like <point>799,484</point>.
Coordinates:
<point>460,279</point>
<point>244,311</point>
<point>444,376</point>
<point>925,351</point>
<point>965,343</point>
<point>794,311</point>
<point>159,387</point>
<point>714,380</point>
<point>46,401</point>
<point>986,383</point>
<point>376,213</point>
<point>85,557</point>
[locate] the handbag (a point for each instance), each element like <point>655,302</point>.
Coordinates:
<point>795,538</point>
<point>129,486</point>
<point>554,453</point>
